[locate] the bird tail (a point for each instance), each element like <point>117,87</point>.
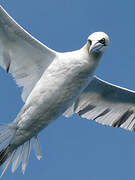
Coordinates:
<point>19,155</point>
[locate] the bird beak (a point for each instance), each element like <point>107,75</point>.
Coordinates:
<point>95,46</point>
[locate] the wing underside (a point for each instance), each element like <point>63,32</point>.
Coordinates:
<point>107,104</point>
<point>21,54</point>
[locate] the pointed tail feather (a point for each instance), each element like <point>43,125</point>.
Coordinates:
<point>18,159</point>
<point>37,148</point>
<point>10,155</point>
<point>26,156</point>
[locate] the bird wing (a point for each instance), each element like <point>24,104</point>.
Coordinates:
<point>107,104</point>
<point>21,54</point>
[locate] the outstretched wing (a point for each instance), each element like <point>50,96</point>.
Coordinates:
<point>107,104</point>
<point>22,55</point>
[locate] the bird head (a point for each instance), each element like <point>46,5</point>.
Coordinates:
<point>98,42</point>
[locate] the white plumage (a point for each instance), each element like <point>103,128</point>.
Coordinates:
<point>107,104</point>
<point>53,84</point>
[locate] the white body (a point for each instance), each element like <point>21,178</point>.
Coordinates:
<point>51,82</point>
<point>58,87</point>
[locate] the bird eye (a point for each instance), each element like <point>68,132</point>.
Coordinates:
<point>90,41</point>
<point>102,41</point>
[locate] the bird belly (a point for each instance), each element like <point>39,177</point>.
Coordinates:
<point>54,93</point>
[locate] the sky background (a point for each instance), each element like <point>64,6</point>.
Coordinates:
<point>76,148</point>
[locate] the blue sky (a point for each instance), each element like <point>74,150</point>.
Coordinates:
<point>75,148</point>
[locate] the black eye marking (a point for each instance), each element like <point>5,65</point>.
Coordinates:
<point>90,41</point>
<point>102,41</point>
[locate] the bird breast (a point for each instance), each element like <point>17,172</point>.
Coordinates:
<point>58,87</point>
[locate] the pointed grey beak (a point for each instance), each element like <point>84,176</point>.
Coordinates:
<point>95,46</point>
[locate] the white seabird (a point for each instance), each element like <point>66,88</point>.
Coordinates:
<point>54,84</point>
